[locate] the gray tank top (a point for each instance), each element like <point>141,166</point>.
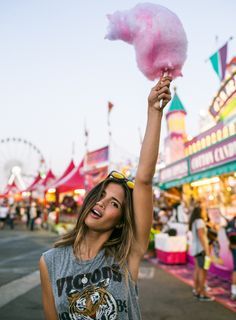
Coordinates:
<point>92,289</point>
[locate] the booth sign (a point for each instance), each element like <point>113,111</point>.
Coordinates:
<point>213,156</point>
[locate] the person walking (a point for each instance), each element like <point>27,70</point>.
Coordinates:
<point>231,234</point>
<point>92,272</point>
<point>12,215</point>
<point>33,215</point>
<point>4,213</point>
<point>27,214</point>
<point>201,253</point>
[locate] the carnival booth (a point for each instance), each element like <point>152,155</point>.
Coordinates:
<point>171,249</point>
<point>52,192</point>
<point>36,189</point>
<point>204,167</point>
<point>66,193</point>
<point>69,190</point>
<point>73,180</point>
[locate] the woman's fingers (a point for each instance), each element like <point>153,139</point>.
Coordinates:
<point>164,96</point>
<point>161,101</point>
<point>161,84</point>
<point>166,78</point>
<point>165,81</point>
<point>165,99</point>
<point>163,90</point>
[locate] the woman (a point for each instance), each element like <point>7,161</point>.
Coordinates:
<point>231,234</point>
<point>201,253</point>
<point>92,271</point>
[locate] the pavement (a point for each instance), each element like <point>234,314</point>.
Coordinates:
<point>218,287</point>
<point>163,296</point>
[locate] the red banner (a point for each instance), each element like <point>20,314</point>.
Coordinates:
<point>96,158</point>
<point>96,167</point>
<point>94,176</point>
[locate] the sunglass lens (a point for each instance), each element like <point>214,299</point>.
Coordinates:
<point>130,184</point>
<point>120,176</point>
<point>117,175</point>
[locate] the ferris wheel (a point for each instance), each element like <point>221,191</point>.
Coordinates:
<point>20,162</point>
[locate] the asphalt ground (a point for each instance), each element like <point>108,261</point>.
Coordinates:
<point>162,296</point>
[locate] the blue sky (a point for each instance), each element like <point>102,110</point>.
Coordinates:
<point>57,71</point>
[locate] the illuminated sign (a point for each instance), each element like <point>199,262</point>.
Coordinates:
<point>175,171</point>
<point>216,155</point>
<point>224,94</point>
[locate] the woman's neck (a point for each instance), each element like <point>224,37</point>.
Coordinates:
<point>92,243</point>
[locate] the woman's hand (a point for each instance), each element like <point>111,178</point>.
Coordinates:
<point>160,94</point>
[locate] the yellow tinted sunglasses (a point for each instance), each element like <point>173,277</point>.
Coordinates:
<point>119,176</point>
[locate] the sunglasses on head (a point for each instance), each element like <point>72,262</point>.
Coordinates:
<point>119,176</point>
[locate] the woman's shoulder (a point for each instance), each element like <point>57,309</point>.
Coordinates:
<point>199,223</point>
<point>56,252</point>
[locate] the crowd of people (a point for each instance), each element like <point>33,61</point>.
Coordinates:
<point>30,212</point>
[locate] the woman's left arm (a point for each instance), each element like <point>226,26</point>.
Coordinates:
<point>142,194</point>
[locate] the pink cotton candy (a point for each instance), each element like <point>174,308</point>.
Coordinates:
<point>158,37</point>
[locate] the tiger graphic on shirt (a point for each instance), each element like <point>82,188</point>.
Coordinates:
<point>93,303</point>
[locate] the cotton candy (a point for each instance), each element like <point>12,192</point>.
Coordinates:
<point>157,35</point>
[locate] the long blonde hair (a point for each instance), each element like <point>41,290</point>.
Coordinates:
<point>120,241</point>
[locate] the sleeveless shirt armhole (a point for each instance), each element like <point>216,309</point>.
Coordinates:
<point>48,258</point>
<point>129,275</point>
<point>136,289</point>
<point>133,283</point>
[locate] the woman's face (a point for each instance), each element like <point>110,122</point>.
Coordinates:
<point>107,212</point>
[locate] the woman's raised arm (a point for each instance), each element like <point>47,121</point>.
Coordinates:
<point>142,194</point>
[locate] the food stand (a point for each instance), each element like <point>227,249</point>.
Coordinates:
<point>171,249</point>
<point>207,169</point>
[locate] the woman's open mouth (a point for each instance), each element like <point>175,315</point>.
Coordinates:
<point>96,214</point>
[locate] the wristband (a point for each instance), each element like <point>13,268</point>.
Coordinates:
<point>207,263</point>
